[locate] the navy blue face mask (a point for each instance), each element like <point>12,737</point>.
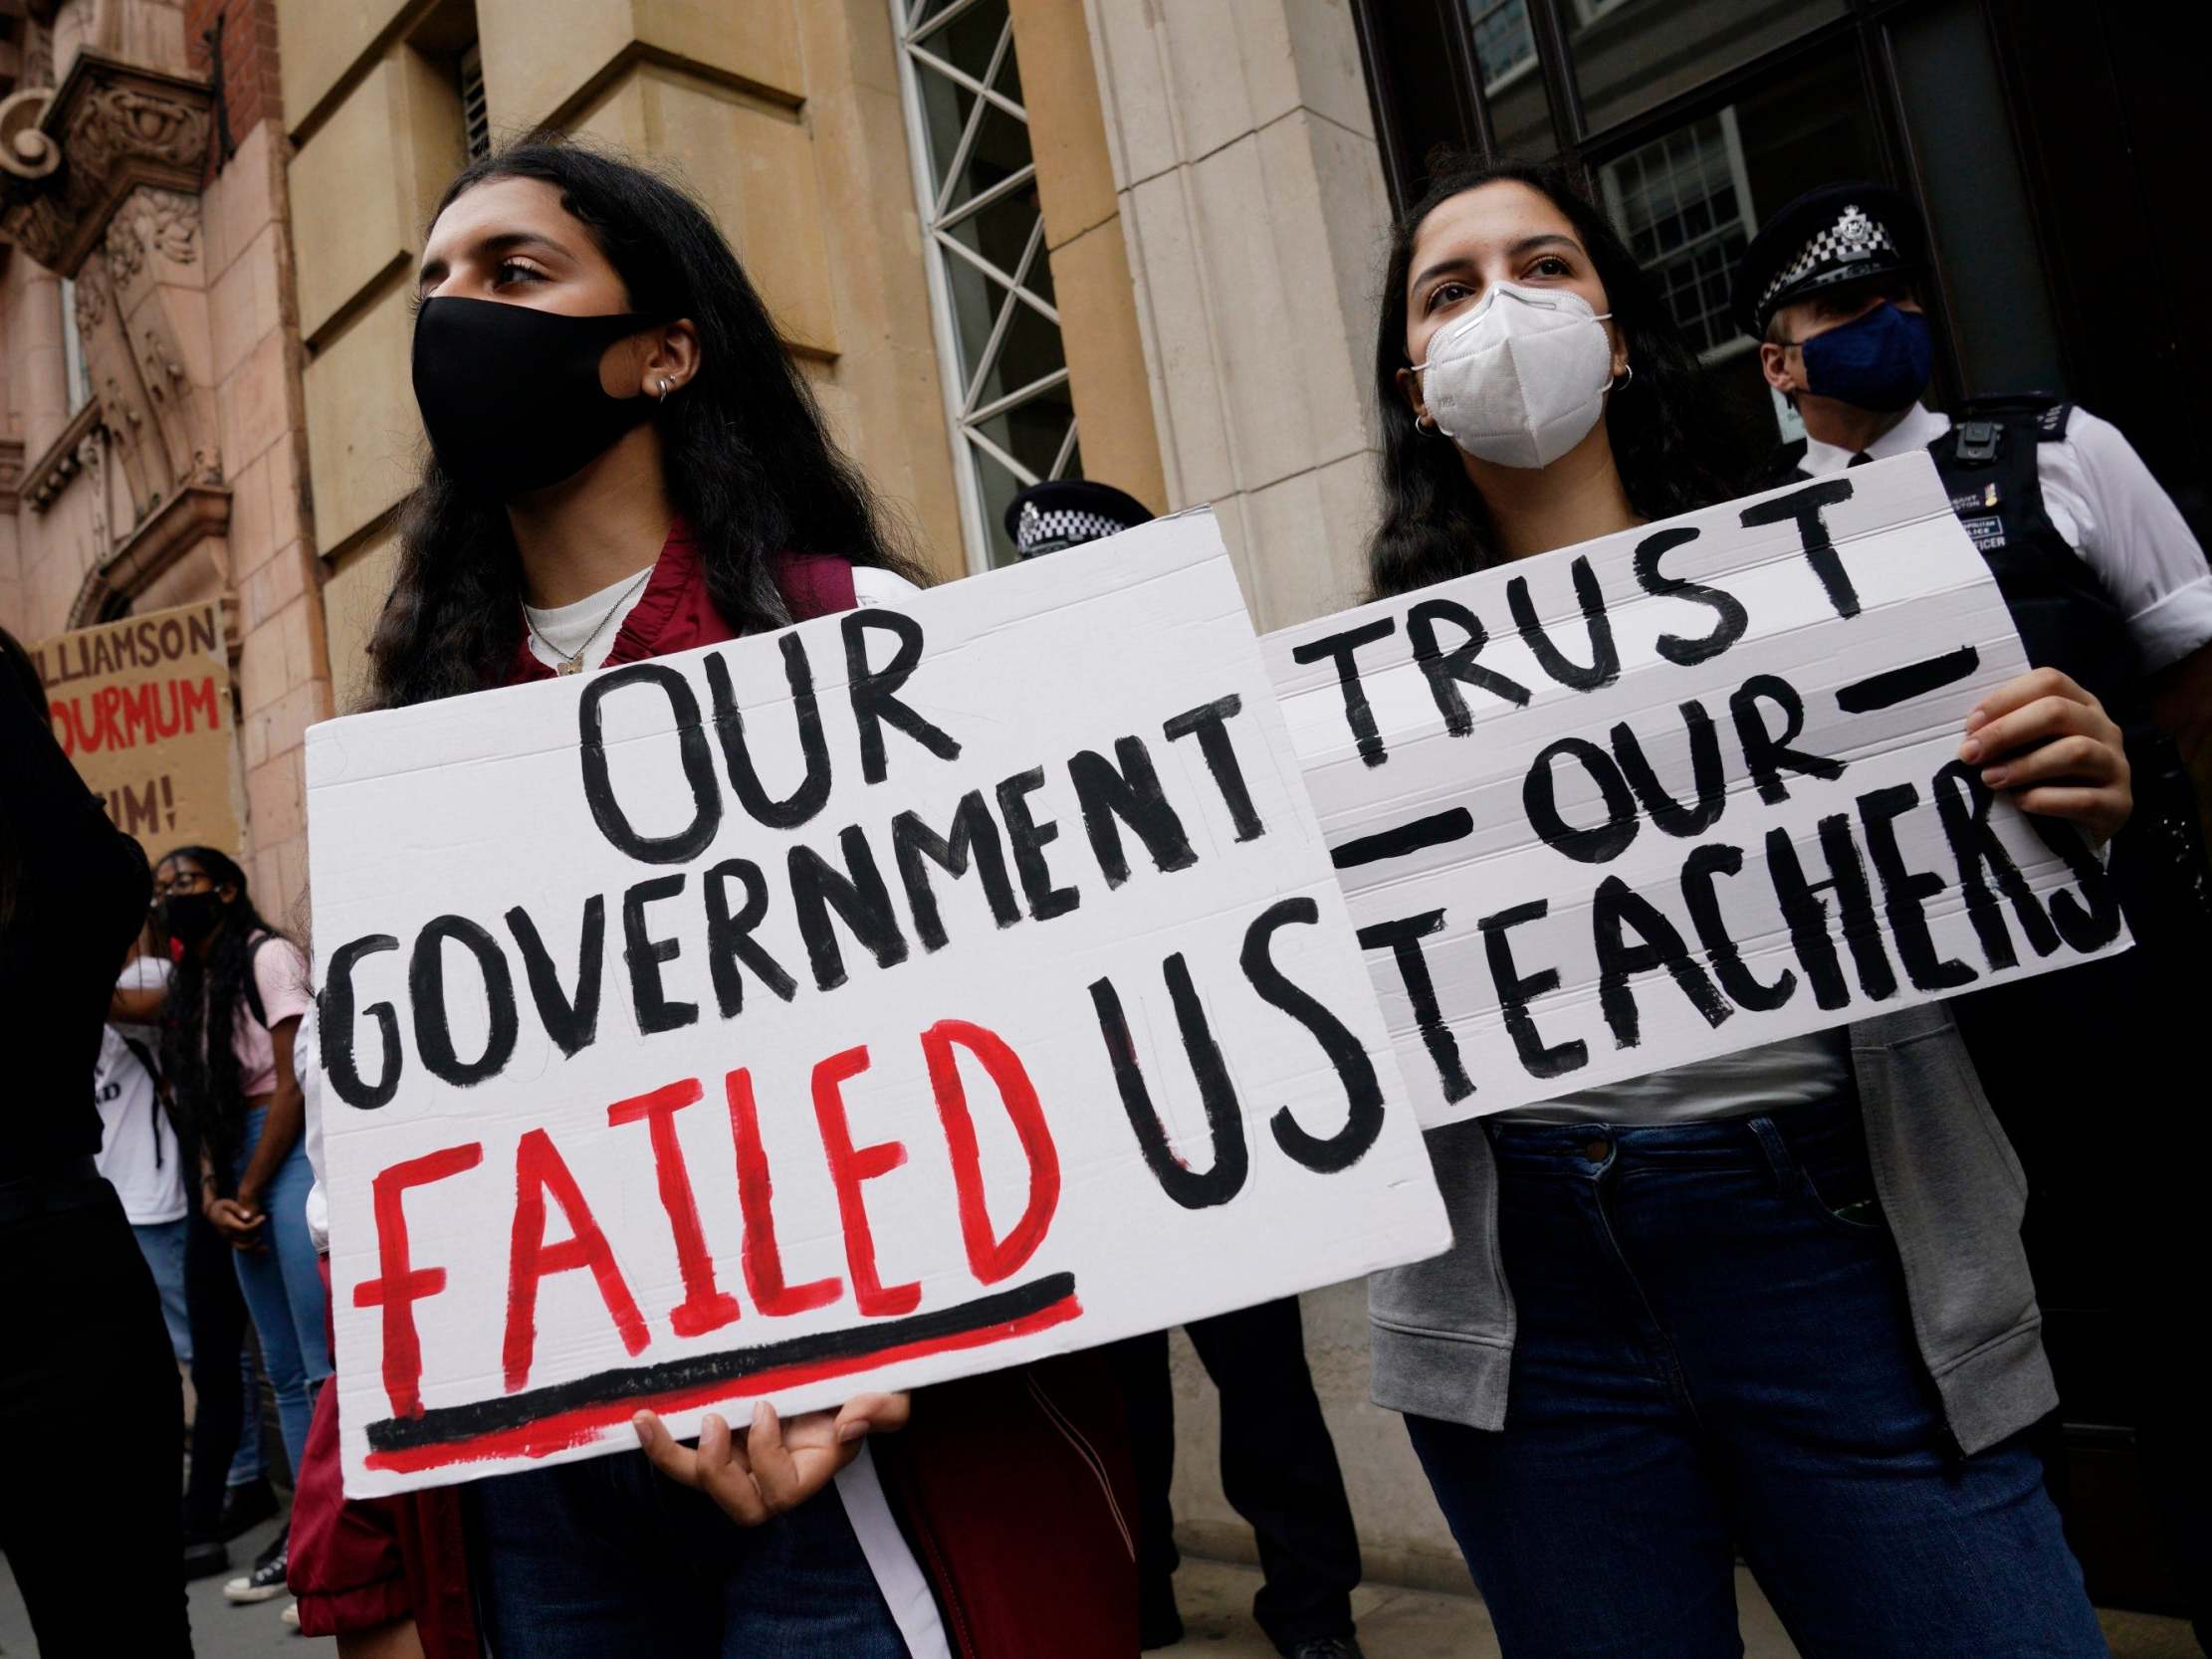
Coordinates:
<point>1878,362</point>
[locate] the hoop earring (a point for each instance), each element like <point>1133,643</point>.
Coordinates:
<point>1627,373</point>
<point>663,389</point>
<point>1425,423</point>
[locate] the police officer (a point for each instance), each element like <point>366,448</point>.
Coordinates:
<point>2106,583</point>
<point>1279,1465</point>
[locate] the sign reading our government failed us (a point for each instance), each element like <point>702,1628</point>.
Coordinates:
<point>901,996</point>
<point>1680,791</point>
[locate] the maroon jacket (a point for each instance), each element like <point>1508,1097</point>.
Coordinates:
<point>1013,1489</point>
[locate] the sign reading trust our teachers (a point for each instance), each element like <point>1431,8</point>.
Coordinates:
<point>1680,791</point>
<point>904,994</point>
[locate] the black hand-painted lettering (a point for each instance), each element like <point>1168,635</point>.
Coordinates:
<point>1768,755</point>
<point>975,839</point>
<point>571,1021</point>
<point>1516,991</point>
<point>1403,938</point>
<point>875,703</point>
<point>335,1022</point>
<point>1447,670</point>
<point>1804,508</point>
<point>691,748</point>
<point>1433,829</point>
<point>1742,985</point>
<point>1962,803</point>
<point>1708,779</point>
<point>855,892</point>
<point>1127,788</point>
<point>426,989</point>
<point>1362,1093</point>
<point>1902,684</point>
<point>1194,1190</point>
<point>1616,911</point>
<point>643,955</point>
<point>1030,840</point>
<point>1730,619</point>
<point>1906,892</point>
<point>1210,721</point>
<point>730,939</point>
<point>812,790</point>
<point>2093,921</point>
<point>1806,913</point>
<point>1540,801</point>
<point>1343,649</point>
<point>1604,667</point>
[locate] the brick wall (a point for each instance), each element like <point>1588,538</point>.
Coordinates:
<point>251,93</point>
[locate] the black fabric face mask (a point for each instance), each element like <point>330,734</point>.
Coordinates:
<point>511,395</point>
<point>191,916</point>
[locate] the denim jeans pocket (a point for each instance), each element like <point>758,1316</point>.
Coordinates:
<point>1842,1192</point>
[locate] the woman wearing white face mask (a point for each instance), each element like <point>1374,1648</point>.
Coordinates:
<point>1773,1302</point>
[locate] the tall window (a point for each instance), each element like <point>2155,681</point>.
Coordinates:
<point>1684,206</point>
<point>476,115</point>
<point>991,287</point>
<point>77,378</point>
<point>1505,44</point>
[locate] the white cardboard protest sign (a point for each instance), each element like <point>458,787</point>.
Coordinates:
<point>1680,791</point>
<point>996,932</point>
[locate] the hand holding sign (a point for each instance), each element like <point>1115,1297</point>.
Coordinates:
<point>2051,747</point>
<point>781,1465</point>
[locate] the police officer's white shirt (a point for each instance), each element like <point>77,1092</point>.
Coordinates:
<point>2104,504</point>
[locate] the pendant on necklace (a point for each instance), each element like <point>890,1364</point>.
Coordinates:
<point>570,664</point>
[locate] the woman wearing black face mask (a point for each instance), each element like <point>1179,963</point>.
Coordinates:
<point>234,1009</point>
<point>625,463</point>
<point>80,1512</point>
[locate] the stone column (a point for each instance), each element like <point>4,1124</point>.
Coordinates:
<point>1253,207</point>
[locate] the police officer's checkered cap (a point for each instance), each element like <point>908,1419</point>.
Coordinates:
<point>1854,238</point>
<point>1063,525</point>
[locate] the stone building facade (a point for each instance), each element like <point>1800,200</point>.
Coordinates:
<point>1005,238</point>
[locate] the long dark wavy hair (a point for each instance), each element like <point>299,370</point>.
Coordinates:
<point>1668,440</point>
<point>206,994</point>
<point>747,460</point>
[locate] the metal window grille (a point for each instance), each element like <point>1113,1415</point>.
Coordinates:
<point>990,285</point>
<point>1683,203</point>
<point>476,115</point>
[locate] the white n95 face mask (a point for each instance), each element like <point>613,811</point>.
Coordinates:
<point>1520,379</point>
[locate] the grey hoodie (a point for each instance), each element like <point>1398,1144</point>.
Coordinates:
<point>1951,1191</point>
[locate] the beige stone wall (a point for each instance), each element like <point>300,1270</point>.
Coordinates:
<point>1255,212</point>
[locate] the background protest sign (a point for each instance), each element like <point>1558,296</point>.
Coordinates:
<point>143,708</point>
<point>1680,791</point>
<point>996,932</point>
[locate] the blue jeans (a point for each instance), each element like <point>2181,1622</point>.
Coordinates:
<point>609,1558</point>
<point>1715,1352</point>
<point>284,1293</point>
<point>162,1245</point>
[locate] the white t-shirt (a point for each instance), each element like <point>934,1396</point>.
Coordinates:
<point>2108,508</point>
<point>560,631</point>
<point>137,1144</point>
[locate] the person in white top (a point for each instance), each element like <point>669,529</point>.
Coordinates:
<point>137,1146</point>
<point>2106,582</point>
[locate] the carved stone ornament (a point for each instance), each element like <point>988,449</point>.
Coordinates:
<point>67,157</point>
<point>163,223</point>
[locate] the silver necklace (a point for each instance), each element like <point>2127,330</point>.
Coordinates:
<point>573,664</point>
